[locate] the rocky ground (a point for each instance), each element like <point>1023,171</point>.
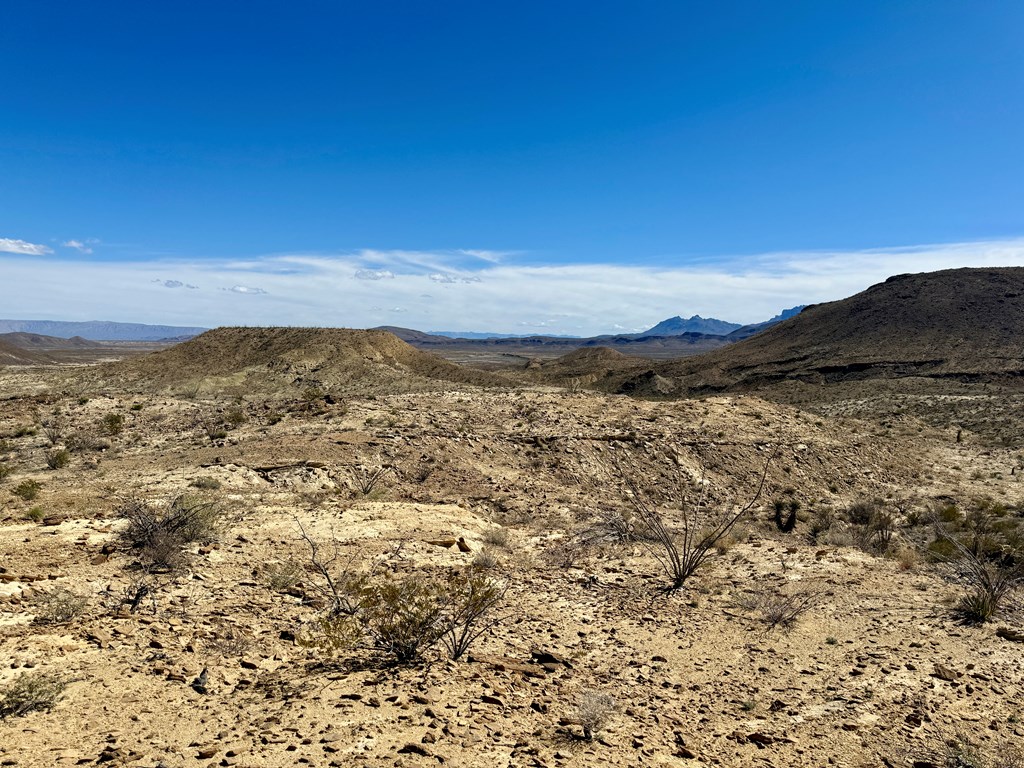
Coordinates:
<point>212,666</point>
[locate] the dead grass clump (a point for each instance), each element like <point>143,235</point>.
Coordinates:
<point>59,606</point>
<point>779,609</point>
<point>498,537</point>
<point>160,535</point>
<point>206,483</point>
<point>593,711</point>
<point>281,577</point>
<point>31,692</point>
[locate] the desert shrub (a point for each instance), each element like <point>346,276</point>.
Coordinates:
<point>367,477</point>
<point>593,711</point>
<point>206,483</point>
<point>59,606</point>
<point>402,616</point>
<point>160,535</point>
<point>989,582</point>
<point>112,424</point>
<point>681,549</point>
<point>485,559</point>
<point>25,431</point>
<point>785,514</point>
<point>498,537</point>
<point>471,611</point>
<point>281,577</point>
<point>960,751</point>
<point>235,417</point>
<point>820,523</point>
<point>35,514</point>
<point>31,692</point>
<point>58,458</point>
<point>81,440</point>
<point>27,490</point>
<point>861,511</point>
<point>54,426</point>
<point>779,609</point>
<point>5,470</point>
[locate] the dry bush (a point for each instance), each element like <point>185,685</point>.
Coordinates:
<point>960,751</point>
<point>367,477</point>
<point>31,692</point>
<point>59,606</point>
<point>160,535</point>
<point>54,426</point>
<point>5,470</point>
<point>681,548</point>
<point>471,611</point>
<point>991,574</point>
<point>593,711</point>
<point>485,559</point>
<point>281,577</point>
<point>498,537</point>
<point>779,609</point>
<point>206,483</point>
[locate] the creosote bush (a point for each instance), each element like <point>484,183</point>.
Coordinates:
<point>27,490</point>
<point>161,534</point>
<point>30,692</point>
<point>400,616</point>
<point>112,424</point>
<point>58,458</point>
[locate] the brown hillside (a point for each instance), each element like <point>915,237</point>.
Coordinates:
<point>962,324</point>
<point>13,355</point>
<point>24,340</point>
<point>273,359</point>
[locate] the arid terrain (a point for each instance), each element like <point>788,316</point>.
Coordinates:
<point>334,476</point>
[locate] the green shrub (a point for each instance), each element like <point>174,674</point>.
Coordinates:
<point>27,490</point>
<point>58,458</point>
<point>112,424</point>
<point>35,514</point>
<point>31,692</point>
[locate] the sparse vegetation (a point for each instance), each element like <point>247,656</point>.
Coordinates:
<point>112,424</point>
<point>59,606</point>
<point>160,535</point>
<point>27,490</point>
<point>682,551</point>
<point>58,458</point>
<point>31,692</point>
<point>593,711</point>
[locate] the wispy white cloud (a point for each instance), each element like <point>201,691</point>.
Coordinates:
<point>581,299</point>
<point>23,247</point>
<point>82,246</point>
<point>374,274</point>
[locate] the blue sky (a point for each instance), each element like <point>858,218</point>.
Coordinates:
<point>579,167</point>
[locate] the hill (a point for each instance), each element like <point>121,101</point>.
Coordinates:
<point>38,341</point>
<point>282,359</point>
<point>746,331</point>
<point>963,324</point>
<point>12,355</point>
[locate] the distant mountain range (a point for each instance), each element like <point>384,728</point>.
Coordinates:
<point>101,330</point>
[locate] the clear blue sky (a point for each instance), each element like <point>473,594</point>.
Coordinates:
<point>654,134</point>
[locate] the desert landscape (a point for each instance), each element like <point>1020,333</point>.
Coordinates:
<point>273,547</point>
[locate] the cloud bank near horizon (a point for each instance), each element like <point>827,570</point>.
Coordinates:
<point>469,290</point>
